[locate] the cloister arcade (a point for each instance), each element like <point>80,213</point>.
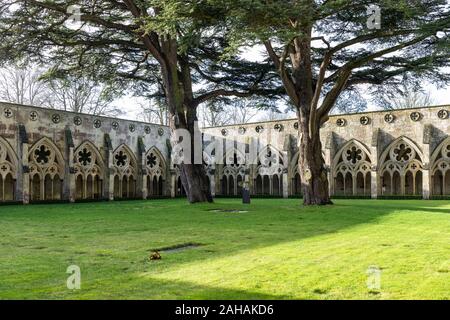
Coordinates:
<point>397,154</point>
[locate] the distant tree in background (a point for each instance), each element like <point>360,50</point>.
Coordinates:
<point>22,86</point>
<point>154,110</point>
<point>77,94</point>
<point>406,96</point>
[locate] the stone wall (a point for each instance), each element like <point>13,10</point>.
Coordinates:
<point>49,144</point>
<point>389,153</point>
<point>48,155</point>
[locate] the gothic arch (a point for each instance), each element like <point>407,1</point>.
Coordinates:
<point>440,169</point>
<point>89,171</point>
<point>46,164</point>
<point>401,167</point>
<point>351,169</point>
<point>156,172</point>
<point>125,172</point>
<point>233,173</point>
<point>8,171</point>
<point>269,172</point>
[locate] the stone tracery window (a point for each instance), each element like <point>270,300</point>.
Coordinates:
<point>440,173</point>
<point>125,173</point>
<point>233,173</point>
<point>156,169</point>
<point>351,170</point>
<point>89,172</point>
<point>401,169</point>
<point>8,173</point>
<point>46,165</point>
<point>269,175</point>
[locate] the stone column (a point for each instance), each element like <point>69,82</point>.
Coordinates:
<point>328,161</point>
<point>144,177</point>
<point>26,175</point>
<point>285,184</point>
<point>173,184</point>
<point>71,177</point>
<point>374,182</point>
<point>426,173</point>
<point>111,176</point>
<point>374,178</point>
<point>212,181</point>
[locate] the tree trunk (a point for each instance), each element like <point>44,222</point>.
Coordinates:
<point>312,168</point>
<point>195,183</point>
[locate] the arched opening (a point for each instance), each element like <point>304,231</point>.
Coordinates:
<point>90,187</point>
<point>35,188</point>
<point>180,188</point>
<point>240,183</point>
<point>409,184</point>
<point>438,183</point>
<point>276,187</point>
<point>57,188</point>
<point>125,191</point>
<point>117,189</point>
<point>396,183</point>
<point>339,184</point>
<point>160,186</point>
<point>446,186</point>
<point>131,192</point>
<point>155,186</point>
<point>386,184</point>
<point>419,183</point>
<point>360,184</point>
<point>224,185</point>
<point>98,187</point>
<point>297,183</point>
<point>7,187</point>
<point>348,184</point>
<point>266,185</point>
<point>79,188</point>
<point>48,188</point>
<point>231,186</point>
<point>259,185</point>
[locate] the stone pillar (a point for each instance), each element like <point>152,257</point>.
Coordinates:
<point>285,184</point>
<point>374,178</point>
<point>426,173</point>
<point>426,183</point>
<point>144,186</point>
<point>173,184</point>
<point>26,175</point>
<point>374,182</point>
<point>71,177</point>
<point>110,175</point>
<point>212,181</point>
<point>328,161</point>
<point>144,177</point>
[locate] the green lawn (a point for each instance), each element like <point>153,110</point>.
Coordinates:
<point>277,250</point>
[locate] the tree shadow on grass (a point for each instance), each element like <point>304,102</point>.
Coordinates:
<point>436,206</point>
<point>147,288</point>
